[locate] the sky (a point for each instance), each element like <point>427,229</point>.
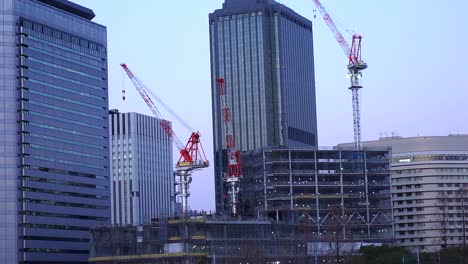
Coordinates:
<point>416,83</point>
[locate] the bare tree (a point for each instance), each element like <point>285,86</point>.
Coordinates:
<point>305,232</point>
<point>333,235</point>
<point>462,198</point>
<point>443,218</point>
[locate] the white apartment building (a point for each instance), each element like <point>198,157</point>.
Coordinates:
<point>142,185</point>
<point>429,190</point>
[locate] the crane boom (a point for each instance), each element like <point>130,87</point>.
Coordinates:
<point>192,154</point>
<point>355,67</point>
<point>149,102</point>
<point>331,24</point>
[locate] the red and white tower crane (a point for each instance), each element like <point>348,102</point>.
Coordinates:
<point>192,155</point>
<point>234,173</point>
<point>355,67</point>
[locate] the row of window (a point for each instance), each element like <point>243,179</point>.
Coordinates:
<point>55,149</point>
<point>82,217</point>
<point>412,171</point>
<point>62,35</point>
<point>69,162</point>
<point>411,224</point>
<point>410,209</point>
<point>64,99</point>
<point>61,227</point>
<point>408,194</point>
<point>63,68</point>
<point>73,132</point>
<point>57,203</point>
<point>452,185</point>
<point>64,172</point>
<point>54,250</point>
<point>61,88</point>
<point>433,157</point>
<point>64,58</point>
<point>434,178</point>
<point>61,47</point>
<point>411,202</point>
<point>451,207</point>
<point>66,120</point>
<point>68,141</point>
<point>61,109</point>
<point>409,186</point>
<point>66,79</point>
<point>55,192</point>
<point>67,183</point>
<point>460,223</point>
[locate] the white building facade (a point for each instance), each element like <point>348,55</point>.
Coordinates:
<point>142,186</point>
<point>429,190</point>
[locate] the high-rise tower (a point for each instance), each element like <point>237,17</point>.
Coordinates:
<point>264,51</point>
<point>54,156</point>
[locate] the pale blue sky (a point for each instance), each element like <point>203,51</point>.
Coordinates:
<point>416,83</point>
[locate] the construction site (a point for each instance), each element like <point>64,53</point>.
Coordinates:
<point>298,206</point>
<point>209,238</point>
<point>284,204</point>
<point>344,191</point>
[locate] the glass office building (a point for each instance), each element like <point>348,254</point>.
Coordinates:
<point>54,160</point>
<point>264,51</point>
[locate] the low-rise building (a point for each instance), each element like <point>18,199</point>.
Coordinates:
<point>429,189</point>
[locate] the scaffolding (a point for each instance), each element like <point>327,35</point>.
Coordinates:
<point>336,191</point>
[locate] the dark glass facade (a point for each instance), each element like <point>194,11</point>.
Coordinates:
<point>264,51</point>
<point>54,132</point>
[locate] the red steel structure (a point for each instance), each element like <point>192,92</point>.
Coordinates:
<point>234,171</point>
<point>355,67</point>
<point>353,52</point>
<point>192,155</point>
<point>234,165</point>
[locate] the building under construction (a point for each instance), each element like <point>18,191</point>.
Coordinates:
<point>338,190</point>
<point>298,206</point>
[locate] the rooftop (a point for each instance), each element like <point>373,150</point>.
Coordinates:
<point>70,7</point>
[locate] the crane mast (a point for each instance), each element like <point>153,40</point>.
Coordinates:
<point>234,173</point>
<point>355,67</point>
<point>192,155</point>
